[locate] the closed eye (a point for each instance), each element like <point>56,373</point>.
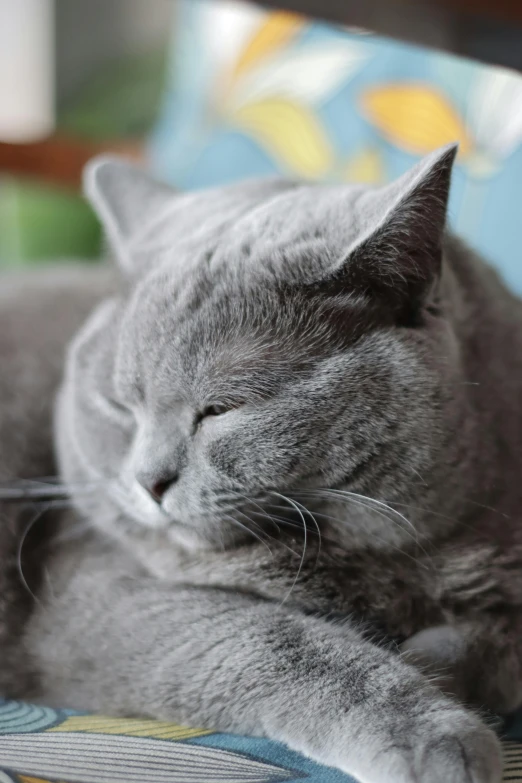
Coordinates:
<point>217,409</point>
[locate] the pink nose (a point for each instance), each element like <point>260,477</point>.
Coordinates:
<point>157,489</point>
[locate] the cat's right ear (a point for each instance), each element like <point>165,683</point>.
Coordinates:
<point>128,202</point>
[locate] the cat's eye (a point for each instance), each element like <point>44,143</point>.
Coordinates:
<point>217,409</point>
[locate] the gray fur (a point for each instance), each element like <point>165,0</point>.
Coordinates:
<point>275,354</point>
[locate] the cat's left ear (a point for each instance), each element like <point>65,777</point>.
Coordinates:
<point>398,255</point>
<point>128,202</point>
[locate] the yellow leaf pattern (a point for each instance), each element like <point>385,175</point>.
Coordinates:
<point>366,168</point>
<point>25,779</point>
<point>130,727</point>
<point>291,133</point>
<point>278,28</point>
<point>416,118</point>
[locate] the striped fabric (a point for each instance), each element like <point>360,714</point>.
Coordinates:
<point>42,745</point>
<point>513,761</point>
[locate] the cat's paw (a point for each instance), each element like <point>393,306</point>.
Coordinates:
<point>469,755</point>
<point>454,657</point>
<point>440,646</point>
<point>456,748</point>
<point>446,744</point>
<point>437,652</point>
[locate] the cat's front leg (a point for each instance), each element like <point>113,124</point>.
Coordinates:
<point>232,661</point>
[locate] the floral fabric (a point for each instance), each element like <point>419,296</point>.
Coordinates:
<point>42,745</point>
<point>254,93</point>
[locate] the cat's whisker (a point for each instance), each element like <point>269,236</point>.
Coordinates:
<point>374,535</point>
<point>289,523</point>
<point>377,503</point>
<point>413,470</point>
<point>276,540</point>
<point>454,520</point>
<point>21,490</point>
<point>248,530</point>
<point>71,533</point>
<point>426,510</point>
<point>282,521</point>
<point>487,508</point>
<point>265,515</point>
<point>19,561</point>
<point>377,506</point>
<point>357,500</point>
<point>338,520</point>
<point>11,494</point>
<point>262,510</point>
<point>318,529</point>
<point>252,522</point>
<point>298,574</point>
<point>56,481</point>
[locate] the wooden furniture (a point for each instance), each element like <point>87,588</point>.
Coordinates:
<point>59,159</point>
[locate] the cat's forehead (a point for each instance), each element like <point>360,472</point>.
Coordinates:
<point>251,221</point>
<point>238,279</point>
<point>213,332</point>
<point>302,213</point>
<point>149,224</point>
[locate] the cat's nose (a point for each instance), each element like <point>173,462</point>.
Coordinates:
<point>157,488</point>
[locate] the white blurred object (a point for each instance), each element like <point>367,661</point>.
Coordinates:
<point>308,77</point>
<point>495,113</point>
<point>26,69</point>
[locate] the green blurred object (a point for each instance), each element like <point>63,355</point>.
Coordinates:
<point>120,101</point>
<point>39,222</point>
<point>42,223</point>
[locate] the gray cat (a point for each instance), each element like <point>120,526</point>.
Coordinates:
<point>294,428</point>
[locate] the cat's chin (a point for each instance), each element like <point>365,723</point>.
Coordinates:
<point>160,548</point>
<point>162,552</point>
<point>188,540</point>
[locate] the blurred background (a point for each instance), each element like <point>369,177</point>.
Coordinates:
<point>208,91</point>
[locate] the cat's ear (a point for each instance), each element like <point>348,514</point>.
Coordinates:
<point>398,254</point>
<point>128,202</point>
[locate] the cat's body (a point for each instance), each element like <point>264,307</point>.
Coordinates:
<point>39,313</point>
<point>277,346</point>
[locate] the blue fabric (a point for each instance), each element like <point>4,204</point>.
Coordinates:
<point>62,745</point>
<point>39,744</point>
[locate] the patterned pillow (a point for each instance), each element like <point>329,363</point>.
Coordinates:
<point>252,92</point>
<point>40,745</point>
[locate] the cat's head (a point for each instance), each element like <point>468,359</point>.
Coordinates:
<point>270,338</point>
